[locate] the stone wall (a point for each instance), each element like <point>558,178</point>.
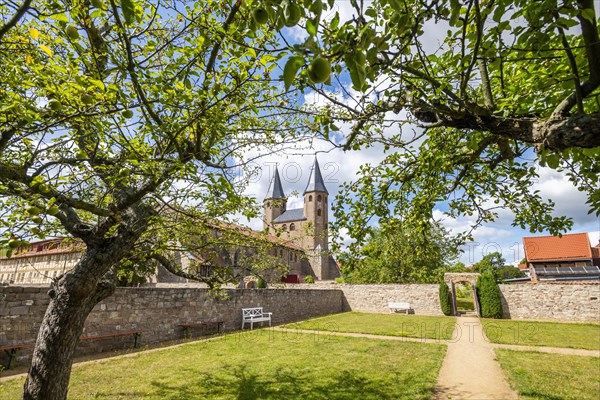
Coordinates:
<point>157,310</point>
<point>424,299</point>
<point>552,302</point>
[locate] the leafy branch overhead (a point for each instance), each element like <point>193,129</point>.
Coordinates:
<point>468,99</point>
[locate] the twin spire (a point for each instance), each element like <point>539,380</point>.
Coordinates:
<point>315,183</point>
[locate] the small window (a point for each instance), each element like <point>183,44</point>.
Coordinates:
<point>284,227</point>
<point>310,197</point>
<point>319,212</point>
<point>292,227</point>
<point>281,252</point>
<point>319,198</point>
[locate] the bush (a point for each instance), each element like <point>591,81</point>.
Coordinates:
<point>488,293</point>
<point>309,279</point>
<point>261,283</point>
<point>340,280</point>
<point>445,300</point>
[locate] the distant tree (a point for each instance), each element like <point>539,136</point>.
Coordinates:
<point>458,267</point>
<point>395,253</point>
<point>489,261</point>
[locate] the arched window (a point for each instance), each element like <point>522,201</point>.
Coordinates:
<point>292,227</point>
<point>319,212</point>
<point>310,197</point>
<point>284,227</point>
<point>319,198</point>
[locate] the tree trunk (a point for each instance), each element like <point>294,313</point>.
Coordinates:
<point>70,304</point>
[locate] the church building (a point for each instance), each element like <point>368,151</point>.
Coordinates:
<point>306,227</point>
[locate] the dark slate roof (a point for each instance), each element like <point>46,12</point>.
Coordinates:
<point>315,181</point>
<point>296,214</point>
<point>275,189</point>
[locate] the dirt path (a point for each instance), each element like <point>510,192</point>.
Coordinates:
<point>470,370</point>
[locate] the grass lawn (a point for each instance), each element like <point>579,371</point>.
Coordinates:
<point>415,326</point>
<point>551,376</point>
<point>465,303</point>
<point>262,364</point>
<point>553,334</point>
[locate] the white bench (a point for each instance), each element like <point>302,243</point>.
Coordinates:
<point>256,314</point>
<point>396,306</point>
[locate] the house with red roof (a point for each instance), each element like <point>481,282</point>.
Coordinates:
<point>570,257</point>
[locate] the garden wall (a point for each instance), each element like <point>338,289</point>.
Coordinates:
<point>424,299</point>
<point>552,302</point>
<point>157,310</point>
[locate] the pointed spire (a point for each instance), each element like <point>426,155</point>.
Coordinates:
<point>275,189</point>
<point>315,180</point>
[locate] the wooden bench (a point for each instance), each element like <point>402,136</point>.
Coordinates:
<point>12,351</point>
<point>256,314</point>
<point>137,335</point>
<point>396,306</point>
<point>187,328</point>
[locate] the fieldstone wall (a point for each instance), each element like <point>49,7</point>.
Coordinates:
<point>424,299</point>
<point>157,310</point>
<point>552,302</point>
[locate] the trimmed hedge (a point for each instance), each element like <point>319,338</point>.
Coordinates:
<point>489,296</point>
<point>261,283</point>
<point>445,300</point>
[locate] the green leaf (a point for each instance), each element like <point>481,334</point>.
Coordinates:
<point>311,27</point>
<point>291,69</point>
<point>128,7</point>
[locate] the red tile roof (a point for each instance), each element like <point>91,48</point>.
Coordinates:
<point>574,246</point>
<point>596,251</point>
<point>523,267</point>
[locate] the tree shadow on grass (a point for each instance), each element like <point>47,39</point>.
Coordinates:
<point>244,384</point>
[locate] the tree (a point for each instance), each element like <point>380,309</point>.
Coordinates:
<point>115,117</point>
<point>510,85</point>
<point>495,264</point>
<point>395,253</point>
<point>489,296</point>
<point>489,262</point>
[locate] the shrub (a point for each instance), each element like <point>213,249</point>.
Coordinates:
<point>445,300</point>
<point>309,279</point>
<point>261,283</point>
<point>340,280</point>
<point>488,293</point>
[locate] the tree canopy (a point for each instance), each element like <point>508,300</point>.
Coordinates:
<point>123,124</point>
<point>401,255</point>
<point>468,98</point>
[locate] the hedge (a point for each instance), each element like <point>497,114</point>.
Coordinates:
<point>445,300</point>
<point>488,293</point>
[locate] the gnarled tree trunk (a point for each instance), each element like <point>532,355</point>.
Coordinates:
<point>50,370</point>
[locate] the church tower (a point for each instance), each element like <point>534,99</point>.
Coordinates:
<point>275,201</point>
<point>316,210</point>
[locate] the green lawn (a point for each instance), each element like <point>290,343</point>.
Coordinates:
<point>551,376</point>
<point>415,326</point>
<point>465,303</point>
<point>553,334</point>
<point>263,365</point>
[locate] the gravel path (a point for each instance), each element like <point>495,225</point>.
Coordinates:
<point>470,370</point>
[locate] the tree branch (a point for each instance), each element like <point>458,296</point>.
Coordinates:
<point>15,19</point>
